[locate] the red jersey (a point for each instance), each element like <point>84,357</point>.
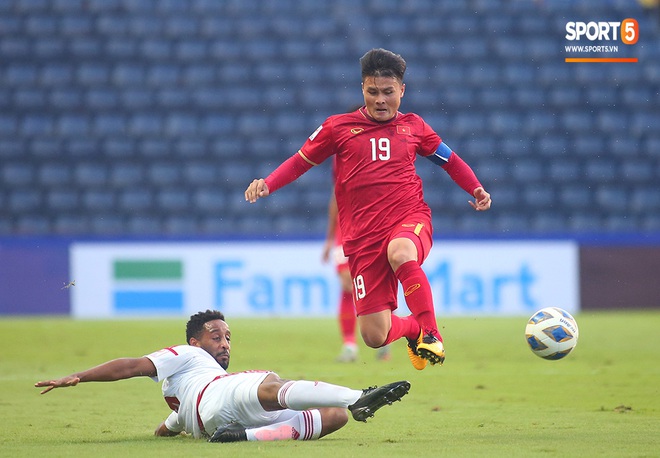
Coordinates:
<point>376,184</point>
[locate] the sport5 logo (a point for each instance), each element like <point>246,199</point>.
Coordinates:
<point>627,30</point>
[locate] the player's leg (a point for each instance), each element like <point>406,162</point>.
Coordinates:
<point>347,318</point>
<point>275,393</point>
<point>407,249</point>
<point>290,425</point>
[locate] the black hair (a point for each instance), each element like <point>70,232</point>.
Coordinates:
<point>197,321</point>
<point>381,62</point>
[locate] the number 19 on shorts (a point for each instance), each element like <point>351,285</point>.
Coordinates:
<point>358,287</point>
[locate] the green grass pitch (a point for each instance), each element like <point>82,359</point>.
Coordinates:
<point>492,397</point>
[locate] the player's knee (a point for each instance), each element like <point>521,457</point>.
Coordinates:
<point>332,419</point>
<point>374,338</point>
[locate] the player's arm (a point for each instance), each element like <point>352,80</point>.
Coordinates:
<point>462,174</point>
<point>332,226</point>
<point>117,369</point>
<point>170,427</point>
<point>287,172</point>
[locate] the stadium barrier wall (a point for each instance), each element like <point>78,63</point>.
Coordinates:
<point>253,277</point>
<point>271,278</point>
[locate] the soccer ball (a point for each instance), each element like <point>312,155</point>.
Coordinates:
<point>551,333</point>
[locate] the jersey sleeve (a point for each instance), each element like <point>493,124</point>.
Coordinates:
<point>168,361</point>
<point>430,140</point>
<point>173,424</point>
<point>320,145</point>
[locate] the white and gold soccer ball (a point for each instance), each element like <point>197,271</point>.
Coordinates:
<point>552,333</point>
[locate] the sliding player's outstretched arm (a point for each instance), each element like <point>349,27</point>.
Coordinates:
<point>117,369</point>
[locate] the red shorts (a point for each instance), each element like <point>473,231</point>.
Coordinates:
<point>375,286</point>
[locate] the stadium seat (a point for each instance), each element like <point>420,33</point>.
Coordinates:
<point>98,200</point>
<point>91,174</point>
<point>18,173</point>
<point>124,174</point>
<point>54,174</point>
<point>62,200</point>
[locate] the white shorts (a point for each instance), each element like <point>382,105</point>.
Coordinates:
<point>233,398</point>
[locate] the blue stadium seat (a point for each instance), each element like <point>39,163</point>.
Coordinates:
<point>17,173</point>
<point>78,147</point>
<point>125,174</point>
<point>39,24</point>
<point>600,170</point>
<point>55,174</point>
<point>575,197</point>
<point>122,48</point>
<point>173,98</point>
<point>577,121</point>
<point>73,125</point>
<point>102,99</point>
<point>107,224</point>
<point>155,49</point>
<point>98,200</point>
<point>30,99</point>
<point>8,124</point>
<point>86,47</point>
<point>589,146</point>
<point>62,200</point>
<point>548,222</point>
<point>45,146</point>
<point>20,74</point>
<point>173,200</point>
<point>141,224</point>
<point>164,173</point>
<point>209,200</point>
<point>614,197</point>
<point>146,124</point>
<point>110,124</point>
<point>15,47</point>
<point>564,170</point>
<point>118,148</point>
<point>33,224</point>
<point>93,74</point>
<point>91,174</point>
<point>56,75</point>
<point>49,48</point>
<point>178,124</point>
<point>528,170</point>
<point>23,200</point>
<point>190,147</point>
<point>66,98</point>
<point>135,199</point>
<point>200,172</point>
<point>180,225</point>
<point>651,145</point>
<point>614,122</point>
<point>37,124</point>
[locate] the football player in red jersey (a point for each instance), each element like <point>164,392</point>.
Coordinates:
<point>384,220</point>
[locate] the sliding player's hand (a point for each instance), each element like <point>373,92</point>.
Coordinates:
<point>63,382</point>
<point>257,189</point>
<point>481,200</point>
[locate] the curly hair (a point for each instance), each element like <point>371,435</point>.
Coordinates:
<point>198,320</point>
<point>381,62</point>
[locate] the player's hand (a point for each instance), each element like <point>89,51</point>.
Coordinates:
<point>59,383</point>
<point>481,200</point>
<point>327,249</point>
<point>257,189</point>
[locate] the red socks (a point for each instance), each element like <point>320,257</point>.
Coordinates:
<point>347,318</point>
<point>417,292</point>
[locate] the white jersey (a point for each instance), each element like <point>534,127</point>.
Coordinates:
<point>185,371</point>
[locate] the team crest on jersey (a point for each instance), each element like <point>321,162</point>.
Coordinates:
<point>316,132</point>
<point>357,130</point>
<point>403,130</point>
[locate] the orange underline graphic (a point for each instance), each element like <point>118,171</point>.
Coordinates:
<point>601,59</point>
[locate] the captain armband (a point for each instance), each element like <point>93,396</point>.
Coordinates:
<point>441,155</point>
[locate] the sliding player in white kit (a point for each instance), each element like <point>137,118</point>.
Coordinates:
<point>207,401</point>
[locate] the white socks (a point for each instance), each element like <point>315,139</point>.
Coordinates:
<point>303,395</point>
<point>304,426</point>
